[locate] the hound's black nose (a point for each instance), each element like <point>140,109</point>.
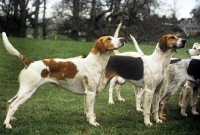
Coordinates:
<point>122,39</point>
<point>183,41</point>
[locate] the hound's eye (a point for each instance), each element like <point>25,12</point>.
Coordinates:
<point>109,38</point>
<point>194,47</point>
<point>172,37</point>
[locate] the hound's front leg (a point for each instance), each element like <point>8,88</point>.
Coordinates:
<point>148,96</point>
<point>138,99</point>
<point>184,98</point>
<point>194,100</point>
<point>156,102</point>
<point>89,104</point>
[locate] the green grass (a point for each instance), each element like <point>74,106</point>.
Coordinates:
<point>53,111</point>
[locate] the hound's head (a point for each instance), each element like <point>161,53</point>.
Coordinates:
<point>195,51</point>
<point>170,41</point>
<point>107,43</point>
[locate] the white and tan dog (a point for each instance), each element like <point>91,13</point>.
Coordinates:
<point>146,72</point>
<point>80,76</point>
<point>117,79</point>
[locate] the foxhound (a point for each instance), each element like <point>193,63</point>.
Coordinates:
<point>117,79</point>
<point>80,76</point>
<point>146,72</point>
<point>182,79</point>
<point>176,75</point>
<point>190,89</point>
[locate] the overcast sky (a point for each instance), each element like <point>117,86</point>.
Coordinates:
<point>184,7</point>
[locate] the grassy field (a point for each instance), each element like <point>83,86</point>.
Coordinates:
<point>53,111</point>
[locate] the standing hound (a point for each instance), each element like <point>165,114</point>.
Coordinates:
<point>178,78</point>
<point>117,79</point>
<point>190,89</point>
<point>80,76</point>
<point>176,75</point>
<point>146,72</point>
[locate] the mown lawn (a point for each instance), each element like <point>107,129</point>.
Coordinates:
<point>53,111</point>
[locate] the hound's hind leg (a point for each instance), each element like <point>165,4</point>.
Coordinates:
<point>14,104</point>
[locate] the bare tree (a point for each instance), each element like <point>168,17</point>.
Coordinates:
<point>75,19</point>
<point>44,25</point>
<point>14,15</point>
<point>90,29</point>
<point>80,16</point>
<point>23,15</point>
<point>97,18</point>
<point>36,13</point>
<point>196,12</point>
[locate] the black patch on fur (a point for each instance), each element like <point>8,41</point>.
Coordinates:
<point>127,67</point>
<point>194,69</point>
<point>174,61</point>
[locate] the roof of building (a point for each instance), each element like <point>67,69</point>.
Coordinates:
<point>192,25</point>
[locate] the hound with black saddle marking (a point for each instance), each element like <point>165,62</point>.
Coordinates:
<point>117,79</point>
<point>80,76</point>
<point>146,72</point>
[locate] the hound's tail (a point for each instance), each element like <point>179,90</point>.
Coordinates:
<point>137,46</point>
<point>13,51</point>
<point>116,35</point>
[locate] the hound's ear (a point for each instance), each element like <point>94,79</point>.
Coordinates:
<point>163,43</point>
<point>99,46</point>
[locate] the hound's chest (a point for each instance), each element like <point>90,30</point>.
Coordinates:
<point>154,71</point>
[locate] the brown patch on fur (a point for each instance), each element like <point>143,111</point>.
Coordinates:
<point>61,70</point>
<point>102,45</point>
<point>26,61</point>
<point>86,79</point>
<point>44,73</point>
<point>167,42</point>
<point>109,72</point>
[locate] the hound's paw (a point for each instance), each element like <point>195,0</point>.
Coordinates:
<point>92,120</point>
<point>163,117</point>
<point>13,119</point>
<point>121,99</point>
<point>184,114</point>
<point>8,126</point>
<point>111,102</point>
<point>159,121</point>
<point>139,109</point>
<point>195,113</point>
<point>149,124</point>
<point>94,123</point>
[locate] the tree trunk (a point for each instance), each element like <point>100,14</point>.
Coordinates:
<point>37,7</point>
<point>22,19</point>
<point>15,20</point>
<point>75,19</point>
<point>90,29</point>
<point>44,32</point>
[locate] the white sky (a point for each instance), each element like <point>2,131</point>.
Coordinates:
<point>183,7</point>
